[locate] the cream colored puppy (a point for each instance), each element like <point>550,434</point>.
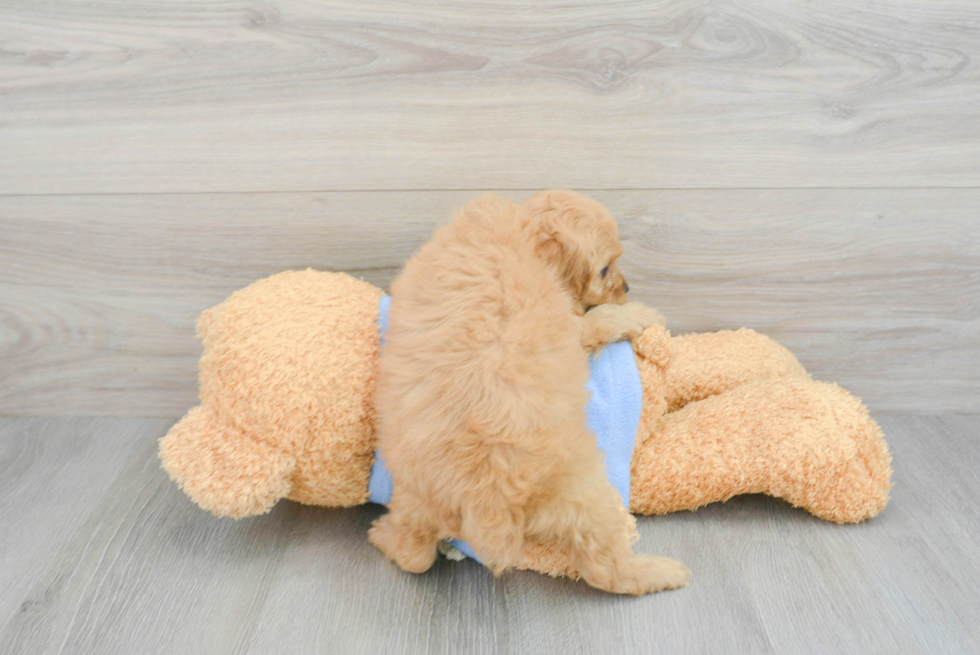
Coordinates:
<point>481,396</point>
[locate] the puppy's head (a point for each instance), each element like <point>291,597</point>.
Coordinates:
<point>580,239</point>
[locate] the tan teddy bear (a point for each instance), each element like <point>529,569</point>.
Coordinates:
<point>286,386</point>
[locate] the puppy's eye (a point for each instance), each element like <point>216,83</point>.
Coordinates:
<point>604,271</point>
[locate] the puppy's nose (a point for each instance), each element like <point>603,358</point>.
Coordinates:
<point>626,287</point>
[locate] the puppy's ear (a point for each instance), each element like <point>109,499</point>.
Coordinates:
<point>557,230</point>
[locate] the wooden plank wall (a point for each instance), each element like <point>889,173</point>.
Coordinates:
<point>811,170</point>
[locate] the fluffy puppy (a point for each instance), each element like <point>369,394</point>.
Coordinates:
<point>481,395</point>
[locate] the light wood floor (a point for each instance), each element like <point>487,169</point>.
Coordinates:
<point>102,554</point>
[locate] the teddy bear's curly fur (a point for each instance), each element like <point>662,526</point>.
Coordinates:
<point>290,366</point>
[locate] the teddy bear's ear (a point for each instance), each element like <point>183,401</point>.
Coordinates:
<point>223,470</point>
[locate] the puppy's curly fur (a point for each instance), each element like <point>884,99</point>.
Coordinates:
<point>481,395</point>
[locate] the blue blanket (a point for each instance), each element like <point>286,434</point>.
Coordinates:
<point>613,415</point>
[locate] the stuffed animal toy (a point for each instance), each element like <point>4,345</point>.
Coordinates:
<point>287,378</point>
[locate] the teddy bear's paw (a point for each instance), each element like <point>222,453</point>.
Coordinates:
<point>647,574</point>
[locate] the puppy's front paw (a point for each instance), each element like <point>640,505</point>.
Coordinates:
<point>641,318</point>
<point>607,323</point>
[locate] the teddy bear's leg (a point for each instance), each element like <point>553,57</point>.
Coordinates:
<point>810,443</point>
<point>404,535</point>
<point>222,469</point>
<point>597,533</point>
<point>704,365</point>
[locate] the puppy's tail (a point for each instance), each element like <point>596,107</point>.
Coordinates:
<point>496,533</point>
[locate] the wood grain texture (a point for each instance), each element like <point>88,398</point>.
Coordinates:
<point>43,462</point>
<point>878,292</point>
<point>846,580</point>
<point>291,95</point>
<point>139,568</point>
<point>142,570</point>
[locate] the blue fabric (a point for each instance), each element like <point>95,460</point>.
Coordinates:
<point>613,412</point>
<point>613,415</point>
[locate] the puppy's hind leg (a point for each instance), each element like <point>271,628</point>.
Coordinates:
<point>404,535</point>
<point>592,524</point>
